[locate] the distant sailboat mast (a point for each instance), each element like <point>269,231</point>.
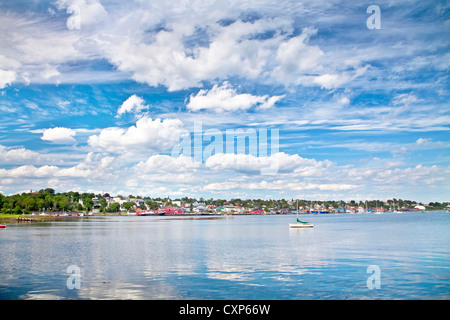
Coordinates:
<point>300,224</point>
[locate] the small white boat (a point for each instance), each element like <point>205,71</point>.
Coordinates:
<point>301,225</point>
<point>397,210</point>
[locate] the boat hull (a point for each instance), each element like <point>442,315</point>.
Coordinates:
<point>301,225</point>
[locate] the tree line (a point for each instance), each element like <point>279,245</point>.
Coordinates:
<point>48,200</point>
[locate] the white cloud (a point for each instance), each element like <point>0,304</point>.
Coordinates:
<point>29,171</point>
<point>301,186</point>
<point>170,61</point>
<point>405,99</point>
<point>423,141</point>
<point>79,170</point>
<point>88,12</point>
<point>146,136</point>
<point>296,58</point>
<point>281,184</point>
<point>238,162</point>
<point>383,179</point>
<point>228,185</point>
<point>33,48</point>
<point>82,170</point>
<point>428,143</point>
<point>17,155</point>
<point>153,46</point>
<point>20,156</point>
<point>270,102</point>
<point>59,135</point>
<point>225,98</point>
<point>331,81</point>
<point>335,80</point>
<point>6,78</point>
<point>133,104</point>
<point>49,72</point>
<point>344,101</point>
<point>162,163</point>
<point>251,164</point>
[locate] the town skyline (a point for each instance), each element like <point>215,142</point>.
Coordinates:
<point>48,202</point>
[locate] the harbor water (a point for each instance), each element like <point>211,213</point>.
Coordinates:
<point>345,256</point>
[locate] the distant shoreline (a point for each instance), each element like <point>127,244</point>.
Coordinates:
<point>24,218</point>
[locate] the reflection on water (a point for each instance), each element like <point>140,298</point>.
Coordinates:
<point>239,257</point>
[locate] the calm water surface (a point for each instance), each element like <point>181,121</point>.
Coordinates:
<point>239,257</point>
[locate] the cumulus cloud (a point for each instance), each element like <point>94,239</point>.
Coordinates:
<point>280,184</point>
<point>171,61</point>
<point>163,163</point>
<point>83,169</point>
<point>248,163</point>
<point>338,79</point>
<point>296,58</point>
<point>79,170</point>
<point>29,171</point>
<point>152,47</point>
<point>6,78</point>
<point>133,104</point>
<point>17,155</point>
<point>147,135</point>
<point>49,72</point>
<point>83,12</point>
<point>423,141</point>
<point>59,135</point>
<point>33,48</point>
<point>225,98</point>
<point>264,48</point>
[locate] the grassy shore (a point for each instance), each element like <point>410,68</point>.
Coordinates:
<point>14,218</point>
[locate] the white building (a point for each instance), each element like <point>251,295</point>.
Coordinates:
<point>176,203</point>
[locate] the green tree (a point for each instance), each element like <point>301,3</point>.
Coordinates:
<point>40,204</point>
<point>152,205</point>
<point>113,207</point>
<point>88,203</point>
<point>29,204</point>
<point>48,202</point>
<point>17,210</point>
<point>64,203</point>
<point>103,204</point>
<point>128,205</point>
<point>49,191</point>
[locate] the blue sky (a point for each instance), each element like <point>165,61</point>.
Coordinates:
<point>97,96</point>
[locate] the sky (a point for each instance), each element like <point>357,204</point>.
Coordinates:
<point>320,100</point>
